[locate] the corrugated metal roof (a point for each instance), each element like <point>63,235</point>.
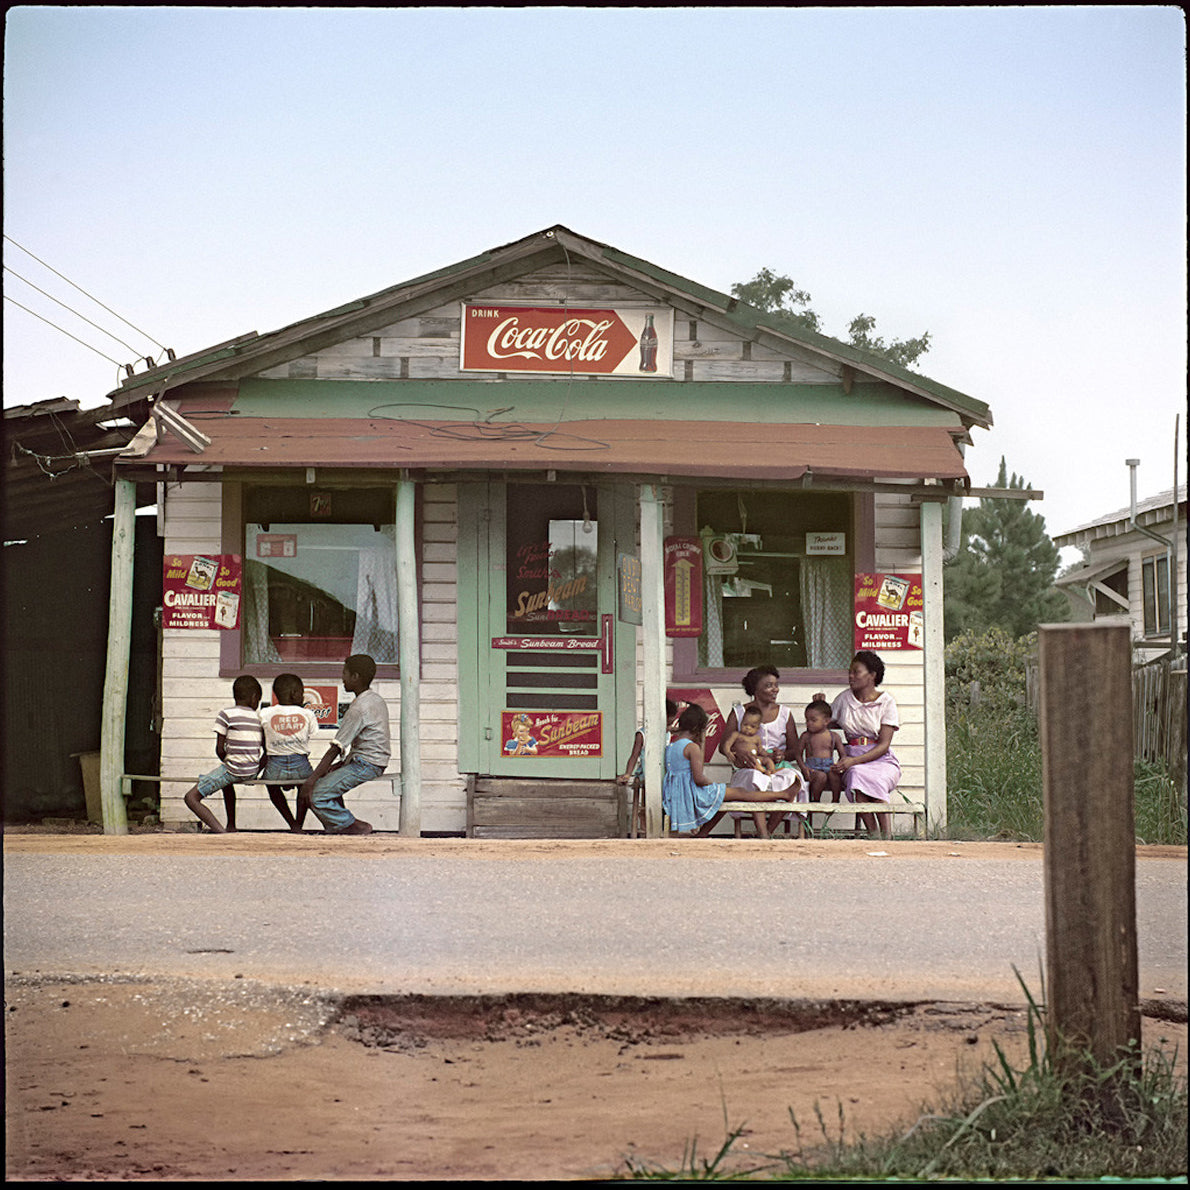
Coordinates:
<point>663,448</point>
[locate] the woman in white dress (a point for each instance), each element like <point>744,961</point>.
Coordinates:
<point>778,736</point>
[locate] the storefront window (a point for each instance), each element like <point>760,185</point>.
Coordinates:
<point>553,546</point>
<point>779,575</point>
<point>319,577</point>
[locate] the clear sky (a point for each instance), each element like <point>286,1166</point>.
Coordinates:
<point>1010,179</point>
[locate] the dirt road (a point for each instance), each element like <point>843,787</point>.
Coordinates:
<point>230,1080</point>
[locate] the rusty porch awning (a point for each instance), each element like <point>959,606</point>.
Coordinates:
<point>656,448</point>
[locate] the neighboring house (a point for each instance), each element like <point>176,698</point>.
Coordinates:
<point>584,480</point>
<point>1128,567</point>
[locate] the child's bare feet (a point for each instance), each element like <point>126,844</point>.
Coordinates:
<point>358,827</point>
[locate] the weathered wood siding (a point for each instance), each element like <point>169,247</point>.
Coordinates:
<point>194,693</point>
<point>427,347</point>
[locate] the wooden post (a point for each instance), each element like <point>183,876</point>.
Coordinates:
<point>119,651</point>
<point>1090,853</point>
<point>935,667</point>
<point>409,655</point>
<point>652,578</point>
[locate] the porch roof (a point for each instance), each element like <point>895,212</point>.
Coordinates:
<point>696,449</point>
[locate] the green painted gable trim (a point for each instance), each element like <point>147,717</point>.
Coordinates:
<point>534,401</point>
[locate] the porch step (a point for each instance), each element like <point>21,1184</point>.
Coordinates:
<point>512,808</point>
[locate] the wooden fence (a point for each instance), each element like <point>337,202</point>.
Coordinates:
<point>1159,716</point>
<point>1158,713</point>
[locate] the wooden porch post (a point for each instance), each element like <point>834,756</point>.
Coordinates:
<point>935,666</point>
<point>652,579</point>
<point>409,656</point>
<point>119,651</point>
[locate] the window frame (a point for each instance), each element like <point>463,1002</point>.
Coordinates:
<point>1151,565</point>
<point>687,671</point>
<point>231,643</point>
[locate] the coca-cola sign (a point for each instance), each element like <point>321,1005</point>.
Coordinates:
<point>625,341</point>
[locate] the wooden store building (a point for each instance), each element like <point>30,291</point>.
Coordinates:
<point>542,487</point>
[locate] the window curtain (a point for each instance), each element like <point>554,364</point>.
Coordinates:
<point>711,641</point>
<point>376,603</point>
<point>828,599</point>
<point>258,646</point>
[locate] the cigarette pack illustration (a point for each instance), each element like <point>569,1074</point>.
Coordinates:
<point>227,609</point>
<point>916,638</point>
<point>892,592</point>
<point>202,574</point>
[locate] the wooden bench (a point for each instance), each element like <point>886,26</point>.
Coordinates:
<point>126,780</point>
<point>761,810</point>
<point>636,817</point>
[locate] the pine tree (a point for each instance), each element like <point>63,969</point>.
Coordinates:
<point>1004,572</point>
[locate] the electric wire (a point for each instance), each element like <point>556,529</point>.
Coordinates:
<point>72,310</point>
<point>84,292</point>
<point>58,328</point>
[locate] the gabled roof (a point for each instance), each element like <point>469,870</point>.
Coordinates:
<point>253,353</point>
<point>1148,511</point>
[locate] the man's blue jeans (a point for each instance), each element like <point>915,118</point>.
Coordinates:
<point>326,800</point>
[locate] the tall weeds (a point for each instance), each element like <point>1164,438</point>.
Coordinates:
<point>1049,1118</point>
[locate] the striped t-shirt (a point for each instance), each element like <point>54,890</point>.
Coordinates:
<point>245,740</point>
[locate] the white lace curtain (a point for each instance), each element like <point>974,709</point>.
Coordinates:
<point>375,606</point>
<point>828,597</point>
<point>258,645</point>
<point>376,603</point>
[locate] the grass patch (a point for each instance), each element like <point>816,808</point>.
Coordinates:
<point>1059,1116</point>
<point>994,786</point>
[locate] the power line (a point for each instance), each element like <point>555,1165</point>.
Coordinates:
<point>58,328</point>
<point>73,311</point>
<point>84,293</point>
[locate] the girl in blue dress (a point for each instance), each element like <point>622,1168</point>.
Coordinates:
<point>688,796</point>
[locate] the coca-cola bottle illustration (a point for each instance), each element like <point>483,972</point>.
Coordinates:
<point>648,346</point>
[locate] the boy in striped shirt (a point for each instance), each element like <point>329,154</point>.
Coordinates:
<point>239,744</point>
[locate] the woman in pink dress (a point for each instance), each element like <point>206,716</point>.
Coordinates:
<point>868,718</point>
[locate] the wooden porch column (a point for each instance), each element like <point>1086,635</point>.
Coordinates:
<point>409,656</point>
<point>119,651</point>
<point>935,666</point>
<point>652,578</point>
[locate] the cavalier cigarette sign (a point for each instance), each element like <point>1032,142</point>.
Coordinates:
<point>201,591</point>
<point>889,612</point>
<point>619,341</point>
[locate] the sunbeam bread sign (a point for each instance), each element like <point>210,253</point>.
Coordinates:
<point>624,341</point>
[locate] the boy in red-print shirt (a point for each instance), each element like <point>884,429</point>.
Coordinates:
<point>288,728</point>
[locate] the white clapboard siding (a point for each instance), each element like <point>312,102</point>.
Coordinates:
<point>194,693</point>
<point>898,535</point>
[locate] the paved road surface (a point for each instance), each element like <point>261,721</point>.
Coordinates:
<point>661,924</point>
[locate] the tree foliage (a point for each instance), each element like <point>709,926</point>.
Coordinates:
<point>1004,572</point>
<point>778,295</point>
<point>996,661</point>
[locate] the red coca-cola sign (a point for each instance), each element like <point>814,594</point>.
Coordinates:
<point>625,341</point>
